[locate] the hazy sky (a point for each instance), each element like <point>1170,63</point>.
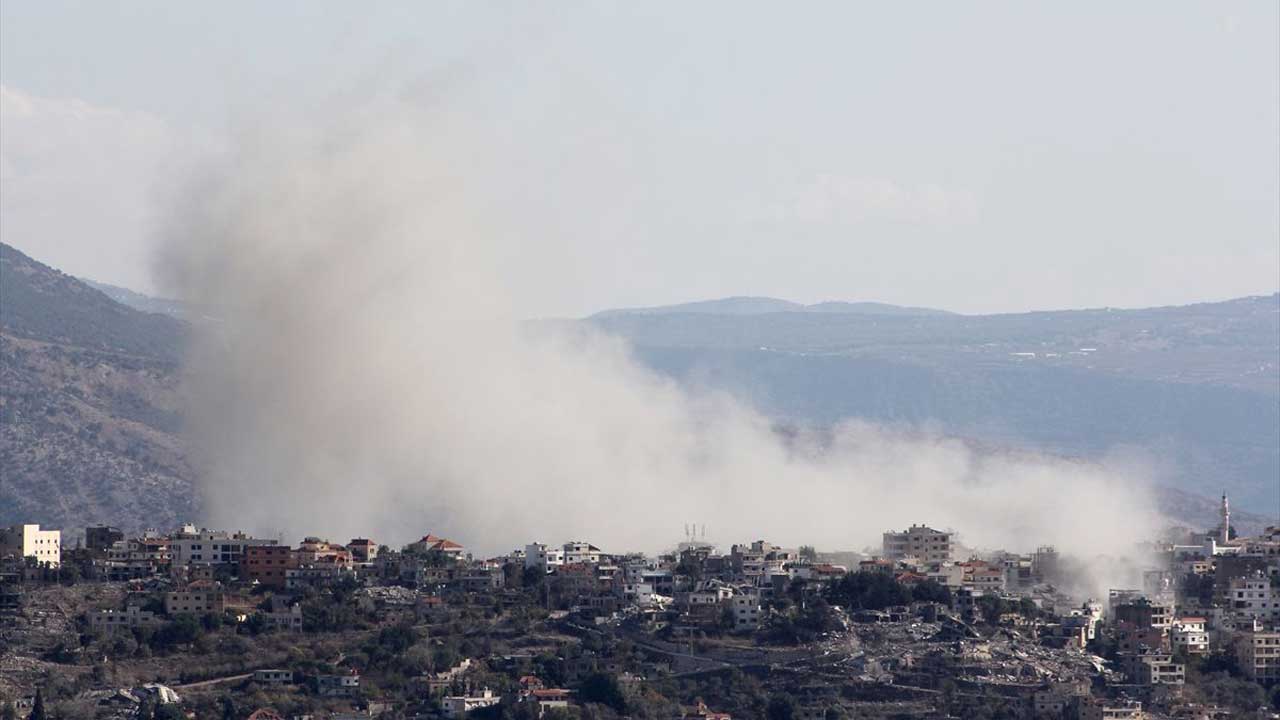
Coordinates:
<point>977,157</point>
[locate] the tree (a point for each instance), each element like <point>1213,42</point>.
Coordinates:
<point>9,712</point>
<point>867,590</point>
<point>37,709</point>
<point>781,707</point>
<point>604,689</point>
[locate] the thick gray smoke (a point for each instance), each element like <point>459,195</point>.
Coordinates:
<point>368,374</point>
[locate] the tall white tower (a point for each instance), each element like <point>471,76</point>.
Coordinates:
<point>1226,519</point>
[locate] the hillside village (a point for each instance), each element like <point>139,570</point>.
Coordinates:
<point>198,623</point>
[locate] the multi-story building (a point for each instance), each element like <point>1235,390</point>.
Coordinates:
<point>314,551</point>
<point>921,542</point>
<point>267,564</point>
<point>982,575</point>
<point>30,541</point>
<point>138,558</point>
<point>1188,636</point>
<point>1153,669</point>
<point>201,598</point>
<point>100,538</point>
<point>543,557</point>
<point>211,547</point>
<point>1254,596</point>
<point>576,551</point>
<point>1258,654</point>
<point>1144,613</point>
<point>363,550</point>
<point>435,545</point>
<point>747,611</point>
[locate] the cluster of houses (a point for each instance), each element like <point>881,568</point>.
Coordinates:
<point>1149,633</point>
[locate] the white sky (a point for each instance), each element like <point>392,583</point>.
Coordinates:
<point>977,157</point>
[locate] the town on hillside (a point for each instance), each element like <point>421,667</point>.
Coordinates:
<point>199,623</point>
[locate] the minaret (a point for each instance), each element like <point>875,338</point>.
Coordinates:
<point>1226,519</point>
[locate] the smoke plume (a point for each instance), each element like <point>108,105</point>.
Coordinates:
<point>369,374</point>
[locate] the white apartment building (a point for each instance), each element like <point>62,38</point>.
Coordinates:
<point>923,543</point>
<point>581,552</point>
<point>542,556</point>
<point>30,541</point>
<point>210,547</point>
<point>1254,596</point>
<point>747,612</point>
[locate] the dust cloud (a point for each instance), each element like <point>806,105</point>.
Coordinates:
<point>369,373</point>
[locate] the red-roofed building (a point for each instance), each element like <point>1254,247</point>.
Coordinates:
<point>433,544</point>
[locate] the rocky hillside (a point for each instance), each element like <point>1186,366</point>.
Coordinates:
<point>89,405</point>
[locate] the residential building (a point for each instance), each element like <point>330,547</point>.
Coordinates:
<point>30,541</point>
<point>201,598</point>
<point>100,538</point>
<point>455,706</point>
<point>1258,654</point>
<point>338,685</point>
<point>747,611</point>
<point>1153,669</point>
<point>273,677</point>
<point>1254,596</point>
<point>363,550</point>
<point>581,552</point>
<point>267,564</point>
<point>131,617</point>
<point>434,545</point>
<point>543,557</point>
<point>921,542</point>
<point>1188,636</point>
<point>210,547</point>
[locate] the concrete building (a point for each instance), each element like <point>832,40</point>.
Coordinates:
<point>100,538</point>
<point>1188,636</point>
<point>202,598</point>
<point>1258,654</point>
<point>1153,669</point>
<point>363,550</point>
<point>131,617</point>
<point>267,564</point>
<point>923,543</point>
<point>211,547</point>
<point>543,557</point>
<point>455,706</point>
<point>338,685</point>
<point>1254,596</point>
<point>577,551</point>
<point>747,612</point>
<point>30,541</point>
<point>273,677</point>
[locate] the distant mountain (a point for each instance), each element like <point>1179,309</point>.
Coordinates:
<point>144,303</point>
<point>90,409</point>
<point>1194,389</point>
<point>764,305</point>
